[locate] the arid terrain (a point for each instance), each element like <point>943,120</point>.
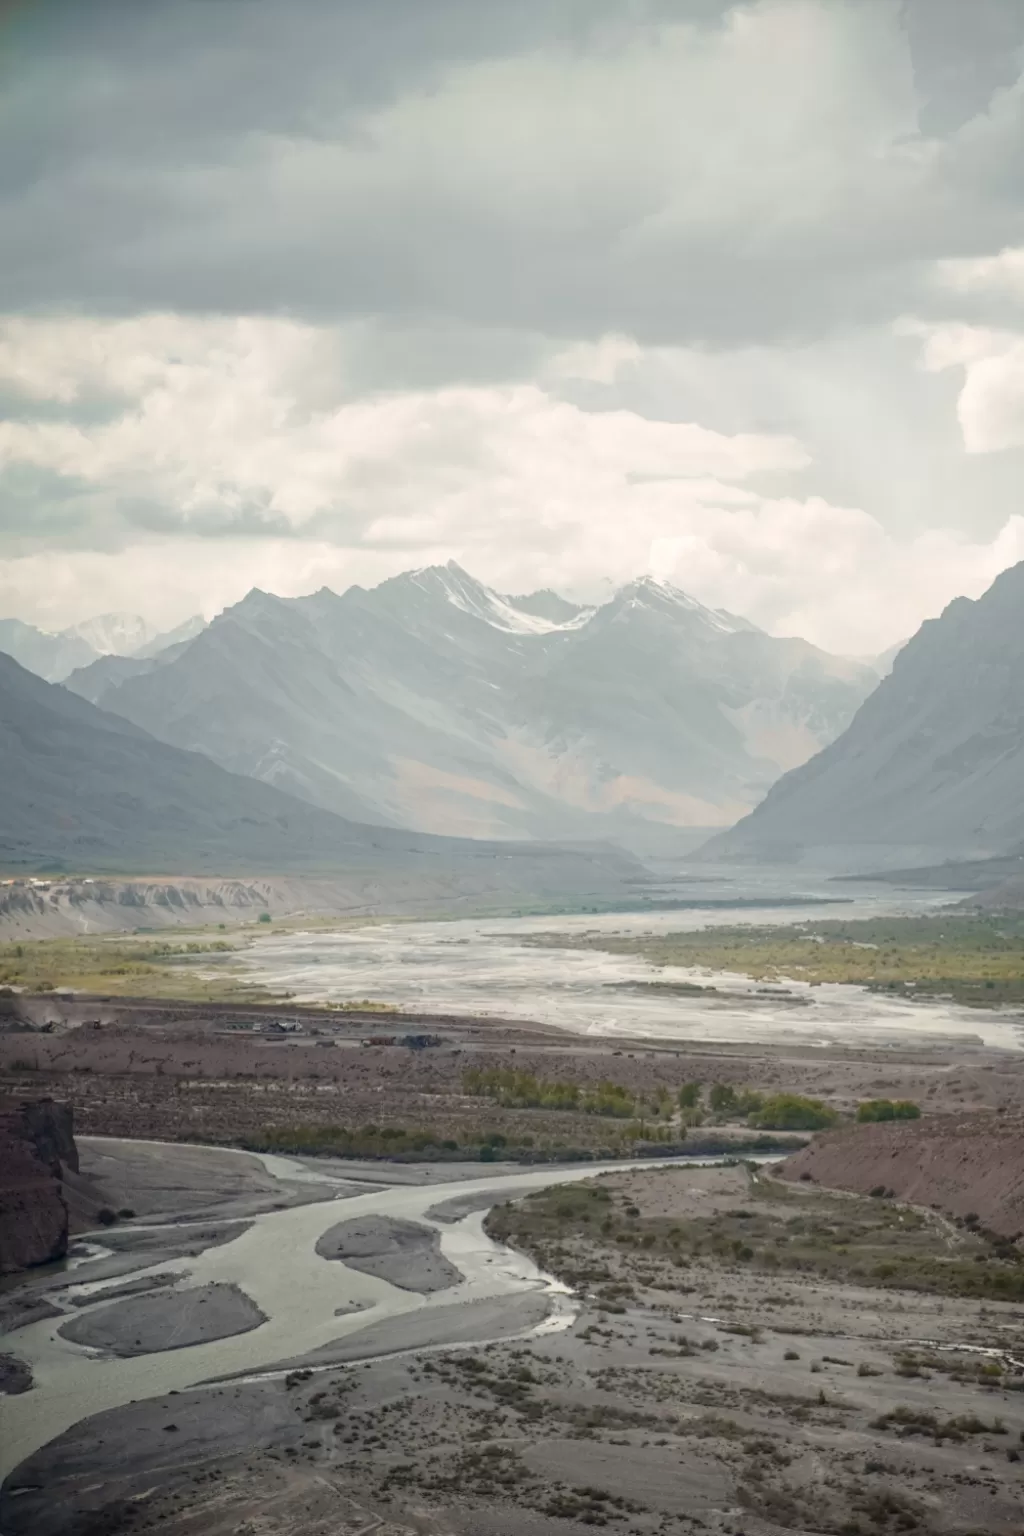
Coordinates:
<point>723,1350</point>
<point>746,1356</point>
<point>299,1079</point>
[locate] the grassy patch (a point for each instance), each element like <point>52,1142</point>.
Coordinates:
<point>122,966</point>
<point>977,959</point>
<point>861,1242</point>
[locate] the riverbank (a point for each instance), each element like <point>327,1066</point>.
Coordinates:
<point>692,1386</point>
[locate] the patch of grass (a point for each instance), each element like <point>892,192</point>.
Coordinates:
<point>856,1241</point>
<point>975,958</point>
<point>122,966</point>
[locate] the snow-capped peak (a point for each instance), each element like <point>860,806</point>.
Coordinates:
<point>113,634</point>
<point>646,591</point>
<point>471,596</point>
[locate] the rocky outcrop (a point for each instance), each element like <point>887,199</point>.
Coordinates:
<point>971,1165</point>
<point>36,1146</point>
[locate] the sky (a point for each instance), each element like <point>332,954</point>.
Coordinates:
<point>298,293</point>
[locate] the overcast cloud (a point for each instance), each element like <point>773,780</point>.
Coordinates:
<point>568,290</point>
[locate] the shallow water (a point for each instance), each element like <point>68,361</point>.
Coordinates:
<point>484,969</point>
<point>276,1264</point>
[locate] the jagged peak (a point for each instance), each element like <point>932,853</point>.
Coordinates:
<point>648,591</point>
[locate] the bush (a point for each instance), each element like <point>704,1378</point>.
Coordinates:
<point>689,1096</point>
<point>792,1112</point>
<point>105,1216</point>
<point>874,1110</point>
<point>722,1098</point>
<point>264,917</point>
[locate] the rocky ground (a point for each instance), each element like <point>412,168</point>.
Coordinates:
<point>749,1384</point>
<point>251,1075</point>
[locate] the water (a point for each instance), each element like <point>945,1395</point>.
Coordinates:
<point>276,1264</point>
<point>483,968</point>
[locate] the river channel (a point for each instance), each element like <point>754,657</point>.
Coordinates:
<point>276,1264</point>
<point>489,968</point>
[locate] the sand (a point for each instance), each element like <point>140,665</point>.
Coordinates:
<point>401,1252</point>
<point>145,1325</point>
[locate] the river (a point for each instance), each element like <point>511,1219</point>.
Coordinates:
<point>299,1292</point>
<point>483,968</point>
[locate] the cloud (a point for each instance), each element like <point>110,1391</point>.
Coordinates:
<point>990,407</point>
<point>312,292</point>
<point>239,456</point>
<point>751,171</point>
<point>1002,274</point>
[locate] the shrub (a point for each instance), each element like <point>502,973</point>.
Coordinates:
<point>264,917</point>
<point>105,1216</point>
<point>873,1110</point>
<point>792,1112</point>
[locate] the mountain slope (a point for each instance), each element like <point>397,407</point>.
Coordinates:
<point>88,791</point>
<point>932,765</point>
<point>434,702</point>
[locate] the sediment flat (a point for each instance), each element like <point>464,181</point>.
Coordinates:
<point>165,1319</point>
<point>403,1253</point>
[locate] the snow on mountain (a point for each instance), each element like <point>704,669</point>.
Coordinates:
<point>113,634</point>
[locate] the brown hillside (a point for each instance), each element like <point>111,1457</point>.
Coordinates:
<point>962,1164</point>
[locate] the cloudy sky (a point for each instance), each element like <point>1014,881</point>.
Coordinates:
<point>306,292</point>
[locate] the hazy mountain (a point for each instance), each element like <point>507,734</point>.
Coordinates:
<point>106,673</point>
<point>432,701</point>
<point>932,765</point>
<point>161,642</point>
<point>56,656</point>
<point>87,791</point>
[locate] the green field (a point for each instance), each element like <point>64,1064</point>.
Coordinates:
<point>974,958</point>
<point>128,967</point>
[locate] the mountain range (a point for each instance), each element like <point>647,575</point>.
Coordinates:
<point>930,768</point>
<point>56,655</point>
<point>436,703</point>
<point>85,791</point>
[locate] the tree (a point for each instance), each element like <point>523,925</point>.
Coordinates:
<point>689,1095</point>
<point>792,1112</point>
<point>873,1110</point>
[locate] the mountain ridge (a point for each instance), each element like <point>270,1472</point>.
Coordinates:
<point>436,702</point>
<point>86,791</point>
<point>933,761</point>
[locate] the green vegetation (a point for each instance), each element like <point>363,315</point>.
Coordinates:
<point>975,958</point>
<point>125,966</point>
<point>399,1143</point>
<point>873,1110</point>
<point>791,1112</point>
<point>781,1229</point>
<point>523,1090</point>
<point>652,1115</point>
